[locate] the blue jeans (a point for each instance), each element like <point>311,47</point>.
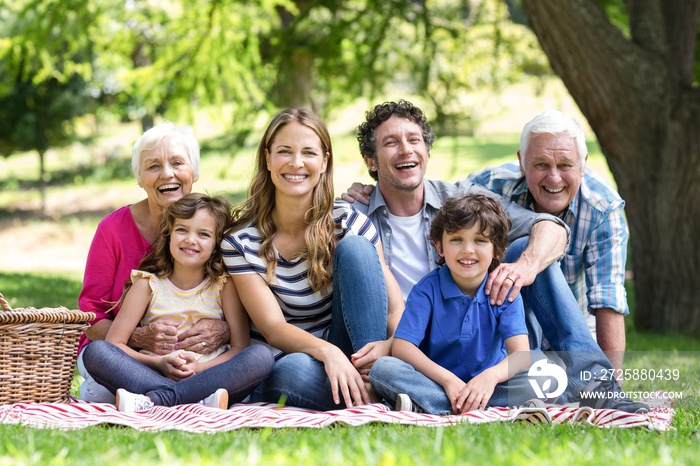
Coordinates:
<point>359,316</point>
<point>558,315</point>
<point>390,376</point>
<point>90,390</point>
<point>114,369</point>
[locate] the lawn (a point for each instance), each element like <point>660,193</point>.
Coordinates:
<point>83,190</point>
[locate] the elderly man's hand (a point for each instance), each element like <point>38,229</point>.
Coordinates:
<point>157,337</point>
<point>206,336</point>
<point>507,279</point>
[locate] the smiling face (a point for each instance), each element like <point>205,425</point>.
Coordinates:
<point>296,160</point>
<point>553,170</point>
<point>401,155</point>
<point>192,240</point>
<point>166,172</point>
<point>468,253</point>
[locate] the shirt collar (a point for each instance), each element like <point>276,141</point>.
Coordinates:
<point>432,198</point>
<point>376,200</point>
<point>449,288</point>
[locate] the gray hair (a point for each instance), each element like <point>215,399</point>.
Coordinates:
<point>554,122</point>
<point>150,139</point>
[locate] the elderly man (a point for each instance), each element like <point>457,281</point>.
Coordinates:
<point>394,142</point>
<point>552,177</point>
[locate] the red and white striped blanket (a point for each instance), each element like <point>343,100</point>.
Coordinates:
<point>198,418</point>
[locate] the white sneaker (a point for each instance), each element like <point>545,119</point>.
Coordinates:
<point>404,403</point>
<point>218,399</point>
<point>128,402</point>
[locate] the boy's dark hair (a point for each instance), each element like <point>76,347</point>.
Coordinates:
<point>366,132</point>
<point>462,212</point>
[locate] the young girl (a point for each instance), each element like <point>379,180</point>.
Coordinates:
<point>183,280</point>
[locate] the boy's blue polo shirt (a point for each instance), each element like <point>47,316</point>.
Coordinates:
<point>461,334</point>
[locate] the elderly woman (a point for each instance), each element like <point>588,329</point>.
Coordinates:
<point>165,161</point>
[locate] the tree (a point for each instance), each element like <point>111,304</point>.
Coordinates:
<point>38,100</point>
<point>639,94</point>
<point>499,51</point>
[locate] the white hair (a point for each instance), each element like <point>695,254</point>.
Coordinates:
<point>152,137</point>
<point>554,122</point>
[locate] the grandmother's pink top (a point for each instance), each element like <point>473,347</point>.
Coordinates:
<point>117,248</point>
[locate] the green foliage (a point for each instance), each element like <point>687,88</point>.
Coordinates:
<point>463,47</point>
<point>42,77</point>
<point>142,59</point>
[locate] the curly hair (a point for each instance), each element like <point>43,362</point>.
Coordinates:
<point>367,131</point>
<point>160,261</point>
<point>319,235</point>
<point>462,212</point>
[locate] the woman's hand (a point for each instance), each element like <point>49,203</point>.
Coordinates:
<point>344,378</point>
<point>365,358</point>
<point>205,336</point>
<point>157,337</point>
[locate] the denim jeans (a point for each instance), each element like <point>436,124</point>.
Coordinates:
<point>114,369</point>
<point>550,300</point>
<point>90,390</point>
<point>390,376</point>
<point>359,316</point>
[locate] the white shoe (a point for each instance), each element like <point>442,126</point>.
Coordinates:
<point>218,399</point>
<point>404,403</point>
<point>128,402</point>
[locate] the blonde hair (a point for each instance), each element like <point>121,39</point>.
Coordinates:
<point>319,235</point>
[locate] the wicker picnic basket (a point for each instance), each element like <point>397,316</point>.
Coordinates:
<point>38,352</point>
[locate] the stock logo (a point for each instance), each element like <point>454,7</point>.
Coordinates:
<point>541,369</point>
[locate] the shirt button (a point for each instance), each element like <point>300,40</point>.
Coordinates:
<point>384,211</point>
<point>387,234</point>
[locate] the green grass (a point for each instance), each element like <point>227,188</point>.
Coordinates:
<point>496,443</point>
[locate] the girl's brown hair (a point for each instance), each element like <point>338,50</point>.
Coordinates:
<point>160,261</point>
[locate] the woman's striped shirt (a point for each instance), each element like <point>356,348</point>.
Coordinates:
<point>308,310</point>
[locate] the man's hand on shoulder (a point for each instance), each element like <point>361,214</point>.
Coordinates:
<point>358,192</point>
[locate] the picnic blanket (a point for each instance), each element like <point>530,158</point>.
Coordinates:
<point>198,418</point>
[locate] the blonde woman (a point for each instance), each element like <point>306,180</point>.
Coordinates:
<point>310,272</point>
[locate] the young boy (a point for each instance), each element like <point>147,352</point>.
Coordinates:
<point>453,351</point>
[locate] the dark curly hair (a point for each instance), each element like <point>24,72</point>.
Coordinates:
<point>462,212</point>
<point>366,132</point>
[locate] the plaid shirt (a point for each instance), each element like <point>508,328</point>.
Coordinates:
<point>594,263</point>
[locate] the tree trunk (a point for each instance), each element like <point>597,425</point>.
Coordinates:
<point>295,81</point>
<point>42,179</point>
<point>638,98</point>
